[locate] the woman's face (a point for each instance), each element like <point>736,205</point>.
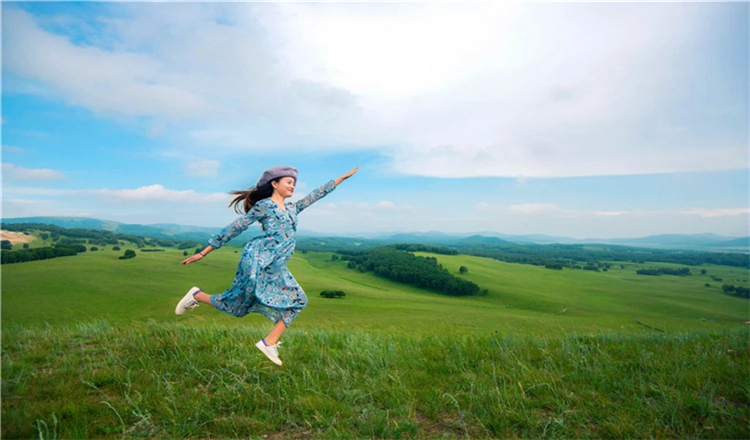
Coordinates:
<point>285,186</point>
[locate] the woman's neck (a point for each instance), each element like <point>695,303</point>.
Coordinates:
<point>278,200</point>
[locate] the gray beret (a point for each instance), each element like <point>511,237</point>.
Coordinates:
<point>274,172</point>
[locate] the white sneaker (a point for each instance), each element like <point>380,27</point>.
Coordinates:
<point>270,351</point>
<point>187,302</point>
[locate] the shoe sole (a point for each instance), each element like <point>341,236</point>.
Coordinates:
<point>261,346</point>
<point>188,296</point>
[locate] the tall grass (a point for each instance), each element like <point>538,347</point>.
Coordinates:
<point>160,380</point>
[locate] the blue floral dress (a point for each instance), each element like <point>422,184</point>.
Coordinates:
<point>263,284</point>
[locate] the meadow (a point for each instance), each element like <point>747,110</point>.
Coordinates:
<point>92,348</point>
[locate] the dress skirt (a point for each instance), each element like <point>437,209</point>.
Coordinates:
<point>263,283</point>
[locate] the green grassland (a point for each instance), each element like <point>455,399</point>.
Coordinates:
<point>522,298</point>
<point>180,380</point>
<point>91,348</point>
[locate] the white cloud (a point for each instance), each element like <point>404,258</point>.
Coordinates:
<point>447,90</point>
<point>385,205</point>
<point>202,168</point>
<point>13,149</point>
<point>533,208</point>
<point>610,213</point>
<point>112,82</point>
<point>150,193</point>
<point>15,207</point>
<point>703,212</point>
<point>153,193</point>
<point>13,172</point>
<point>484,206</point>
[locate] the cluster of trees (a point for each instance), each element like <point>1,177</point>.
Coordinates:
<point>67,237</point>
<point>129,253</point>
<point>411,247</point>
<point>425,272</point>
<point>572,255</point>
<point>42,253</point>
<point>742,292</point>
<point>657,271</point>
<point>332,294</point>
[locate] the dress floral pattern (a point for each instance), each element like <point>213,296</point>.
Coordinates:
<point>263,284</point>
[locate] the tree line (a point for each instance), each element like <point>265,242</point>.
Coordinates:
<point>570,256</point>
<point>401,266</point>
<point>742,292</point>
<point>657,271</point>
<point>43,253</point>
<point>75,236</point>
<point>69,242</point>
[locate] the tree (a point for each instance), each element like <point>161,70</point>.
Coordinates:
<point>25,245</point>
<point>115,248</point>
<point>129,253</point>
<point>6,244</point>
<point>332,294</point>
<point>463,269</point>
<point>184,254</point>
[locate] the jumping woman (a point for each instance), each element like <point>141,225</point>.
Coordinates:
<point>263,284</point>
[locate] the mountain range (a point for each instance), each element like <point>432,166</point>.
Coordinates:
<point>200,234</point>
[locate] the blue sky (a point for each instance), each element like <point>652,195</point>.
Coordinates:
<point>581,120</point>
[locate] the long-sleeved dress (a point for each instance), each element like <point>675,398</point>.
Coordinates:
<point>263,284</point>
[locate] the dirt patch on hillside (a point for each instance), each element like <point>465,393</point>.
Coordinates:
<point>16,237</point>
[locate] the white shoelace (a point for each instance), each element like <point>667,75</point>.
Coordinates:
<point>274,348</point>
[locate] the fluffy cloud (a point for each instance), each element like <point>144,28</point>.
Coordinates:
<point>533,208</point>
<point>13,149</point>
<point>202,168</point>
<point>13,172</point>
<point>150,193</point>
<point>158,193</point>
<point>447,90</point>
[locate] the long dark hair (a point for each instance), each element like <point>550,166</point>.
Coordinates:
<point>251,196</point>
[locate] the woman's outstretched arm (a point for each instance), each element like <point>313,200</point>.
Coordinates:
<point>346,176</point>
<point>321,191</point>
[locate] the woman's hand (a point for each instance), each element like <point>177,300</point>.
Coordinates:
<point>192,258</point>
<point>346,176</point>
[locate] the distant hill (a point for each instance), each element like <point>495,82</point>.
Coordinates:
<point>680,241</point>
<point>173,231</point>
<point>743,242</point>
<point>480,239</point>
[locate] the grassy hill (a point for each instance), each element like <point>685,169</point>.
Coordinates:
<point>92,348</point>
<point>522,298</point>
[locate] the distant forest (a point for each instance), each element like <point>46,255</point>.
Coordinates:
<point>397,265</point>
<point>573,255</point>
<point>552,256</point>
<point>67,242</point>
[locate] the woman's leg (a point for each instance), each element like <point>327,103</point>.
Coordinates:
<point>203,298</point>
<point>275,334</point>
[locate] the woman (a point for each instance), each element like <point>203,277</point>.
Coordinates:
<point>263,284</point>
